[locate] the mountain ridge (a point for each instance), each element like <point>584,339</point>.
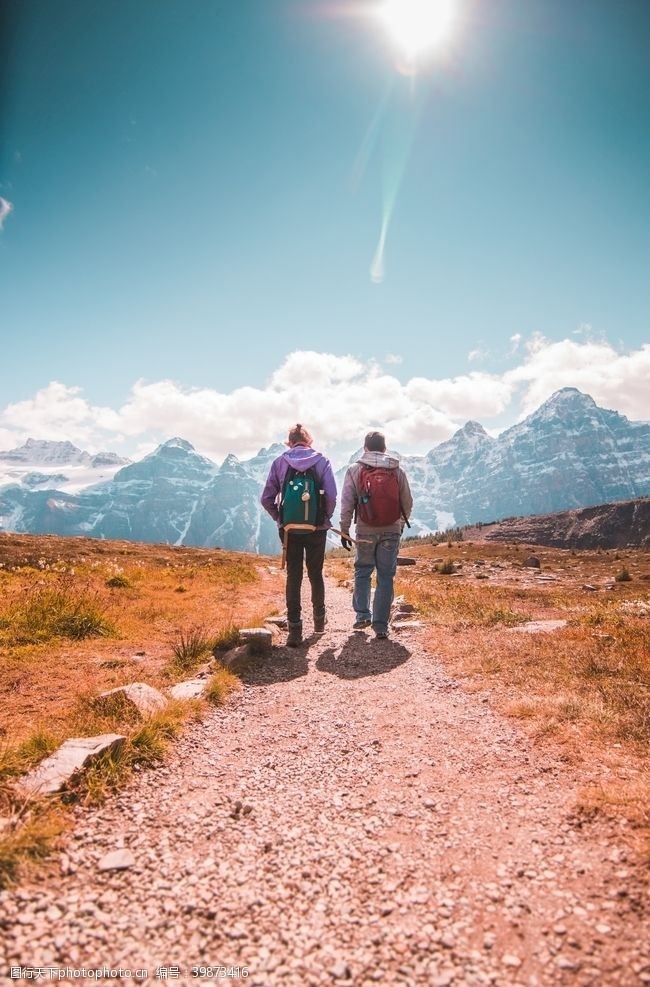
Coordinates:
<point>567,454</point>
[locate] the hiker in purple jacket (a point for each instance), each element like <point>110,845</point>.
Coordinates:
<point>307,544</point>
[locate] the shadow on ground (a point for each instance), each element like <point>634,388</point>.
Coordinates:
<point>282,665</point>
<point>361,656</point>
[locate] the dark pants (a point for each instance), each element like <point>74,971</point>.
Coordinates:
<point>309,545</point>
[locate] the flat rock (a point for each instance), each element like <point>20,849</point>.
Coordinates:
<point>190,689</point>
<point>279,621</point>
<point>143,697</point>
<point>117,860</point>
<point>403,625</point>
<point>540,626</point>
<point>54,771</point>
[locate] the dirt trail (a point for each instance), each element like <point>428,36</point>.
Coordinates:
<point>355,818</point>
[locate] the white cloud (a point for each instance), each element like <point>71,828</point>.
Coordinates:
<point>391,358</point>
<point>476,356</point>
<point>59,412</point>
<point>613,379</point>
<point>515,342</point>
<point>474,395</point>
<point>338,397</point>
<point>5,208</point>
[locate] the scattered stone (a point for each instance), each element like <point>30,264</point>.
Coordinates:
<point>190,689</point>
<point>532,562</point>
<point>509,959</point>
<point>75,754</point>
<point>589,588</point>
<point>138,696</point>
<point>117,860</point>
<point>539,626</point>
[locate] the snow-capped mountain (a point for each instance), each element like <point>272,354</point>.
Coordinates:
<point>568,454</point>
<point>56,465</point>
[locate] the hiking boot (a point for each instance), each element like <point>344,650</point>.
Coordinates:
<point>294,640</point>
<point>319,624</point>
<point>360,625</point>
<point>381,635</point>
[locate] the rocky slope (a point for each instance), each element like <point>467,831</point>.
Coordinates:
<point>568,454</point>
<point>617,525</point>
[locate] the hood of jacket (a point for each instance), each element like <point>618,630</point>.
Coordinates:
<point>302,457</point>
<point>386,460</point>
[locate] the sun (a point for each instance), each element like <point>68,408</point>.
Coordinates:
<point>418,25</point>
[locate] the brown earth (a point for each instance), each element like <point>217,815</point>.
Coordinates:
<point>358,817</point>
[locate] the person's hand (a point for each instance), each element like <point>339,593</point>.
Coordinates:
<point>345,541</point>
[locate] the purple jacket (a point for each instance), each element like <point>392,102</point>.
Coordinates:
<point>301,458</point>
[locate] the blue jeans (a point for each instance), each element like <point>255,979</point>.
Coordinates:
<point>376,551</point>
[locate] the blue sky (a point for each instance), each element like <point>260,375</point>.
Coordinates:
<point>181,177</point>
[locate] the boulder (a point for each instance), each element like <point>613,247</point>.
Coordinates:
<point>532,562</point>
<point>259,640</point>
<point>138,695</point>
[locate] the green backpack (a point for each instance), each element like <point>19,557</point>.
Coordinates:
<point>300,506</point>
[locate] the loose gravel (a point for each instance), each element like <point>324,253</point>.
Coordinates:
<point>352,818</point>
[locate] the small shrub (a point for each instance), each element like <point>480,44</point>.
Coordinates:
<point>623,576</point>
<point>445,568</point>
<point>221,684</point>
<point>118,582</point>
<point>180,589</point>
<point>190,646</point>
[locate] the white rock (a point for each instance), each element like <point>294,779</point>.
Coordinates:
<point>117,860</point>
<point>190,689</point>
<point>57,769</point>
<point>143,697</point>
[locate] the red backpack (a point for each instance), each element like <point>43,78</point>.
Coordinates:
<point>379,503</point>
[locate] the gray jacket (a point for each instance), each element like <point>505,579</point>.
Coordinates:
<point>350,493</point>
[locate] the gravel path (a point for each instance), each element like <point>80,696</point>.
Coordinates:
<point>352,818</point>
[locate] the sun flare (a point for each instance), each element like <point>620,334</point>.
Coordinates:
<point>418,25</point>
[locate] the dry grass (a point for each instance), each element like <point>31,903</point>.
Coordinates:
<point>79,617</point>
<point>222,683</point>
<point>586,685</point>
<point>58,608</point>
<point>28,838</point>
<point>44,674</point>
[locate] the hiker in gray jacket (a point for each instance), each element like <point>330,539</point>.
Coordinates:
<point>376,494</point>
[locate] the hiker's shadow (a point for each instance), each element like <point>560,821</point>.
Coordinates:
<point>361,656</point>
<point>282,665</point>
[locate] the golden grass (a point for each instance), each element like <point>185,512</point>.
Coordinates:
<point>28,838</point>
<point>42,680</point>
<point>33,827</point>
<point>222,683</point>
<point>61,599</point>
<point>586,685</point>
